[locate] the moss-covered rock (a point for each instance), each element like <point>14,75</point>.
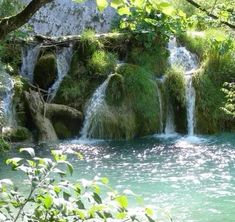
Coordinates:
<point>17,134</point>
<point>115,92</point>
<point>141,93</point>
<point>45,71</point>
<point>154,60</point>
<point>102,63</point>
<point>175,90</point>
<point>113,123</point>
<point>62,130</point>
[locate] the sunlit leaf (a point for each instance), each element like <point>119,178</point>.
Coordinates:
<point>30,151</point>
<point>102,4</point>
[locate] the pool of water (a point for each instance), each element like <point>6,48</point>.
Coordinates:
<point>191,178</point>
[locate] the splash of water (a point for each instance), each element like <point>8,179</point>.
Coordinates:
<point>63,60</point>
<point>96,104</point>
<point>160,108</point>
<point>29,58</point>
<point>180,56</point>
<point>7,116</point>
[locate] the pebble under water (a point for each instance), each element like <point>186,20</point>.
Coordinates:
<point>192,179</point>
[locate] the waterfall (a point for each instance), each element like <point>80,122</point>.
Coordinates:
<point>180,56</point>
<point>29,58</point>
<point>63,60</point>
<point>160,108</point>
<point>96,104</point>
<point>7,117</point>
<point>170,125</point>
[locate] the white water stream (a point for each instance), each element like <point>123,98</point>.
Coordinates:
<point>180,56</point>
<point>96,104</point>
<point>29,58</point>
<point>7,118</point>
<point>63,60</point>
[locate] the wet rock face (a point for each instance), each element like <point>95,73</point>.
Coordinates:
<point>65,17</point>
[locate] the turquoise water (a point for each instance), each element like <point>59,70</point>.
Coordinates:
<point>193,179</point>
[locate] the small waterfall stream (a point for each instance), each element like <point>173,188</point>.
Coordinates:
<point>180,56</point>
<point>170,123</point>
<point>96,103</point>
<point>7,118</point>
<point>160,108</point>
<point>63,60</point>
<point>29,58</point>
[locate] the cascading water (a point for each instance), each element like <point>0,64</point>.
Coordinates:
<point>63,60</point>
<point>29,58</point>
<point>180,56</point>
<point>6,100</point>
<point>160,108</point>
<point>96,104</point>
<point>170,125</point>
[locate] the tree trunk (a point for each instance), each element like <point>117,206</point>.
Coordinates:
<point>43,112</point>
<point>12,23</point>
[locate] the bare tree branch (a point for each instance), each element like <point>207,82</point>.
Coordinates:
<point>195,4</point>
<point>12,23</point>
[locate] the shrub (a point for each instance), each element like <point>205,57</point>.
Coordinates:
<point>4,145</point>
<point>53,198</point>
<point>102,63</point>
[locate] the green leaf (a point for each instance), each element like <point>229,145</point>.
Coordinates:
<point>122,201</point>
<point>116,3</point>
<point>48,201</point>
<point>104,180</point>
<point>97,198</point>
<point>124,11</point>
<point>13,161</point>
<point>149,212</point>
<point>101,4</point>
<point>121,215</point>
<point>30,151</point>
<point>168,10</point>
<point>7,182</point>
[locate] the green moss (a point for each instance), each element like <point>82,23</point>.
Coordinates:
<point>62,131</point>
<point>45,71</point>
<point>89,43</point>
<point>115,90</point>
<point>18,134</point>
<point>114,123</point>
<point>210,98</point>
<point>142,94</point>
<point>102,63</point>
<point>154,60</point>
<point>175,91</point>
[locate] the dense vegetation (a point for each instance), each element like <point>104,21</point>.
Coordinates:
<point>132,108</point>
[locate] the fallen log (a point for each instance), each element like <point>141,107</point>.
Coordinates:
<point>42,113</point>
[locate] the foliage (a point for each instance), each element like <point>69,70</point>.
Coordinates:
<point>53,198</point>
<point>45,71</point>
<point>153,59</point>
<point>4,145</point>
<point>89,42</point>
<point>229,90</point>
<point>115,92</point>
<point>17,134</point>
<point>9,7</point>
<point>141,91</point>
<point>175,85</point>
<point>102,63</point>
